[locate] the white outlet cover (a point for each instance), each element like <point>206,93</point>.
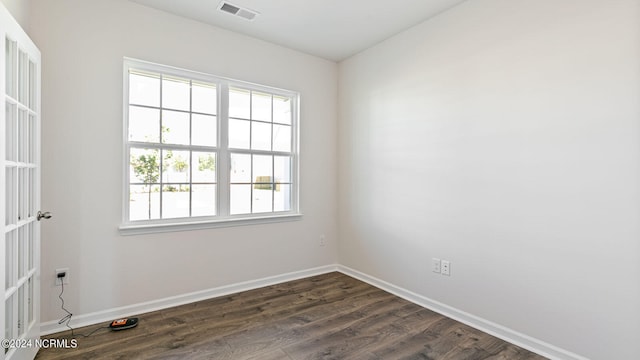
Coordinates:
<point>64,279</point>
<point>446,268</point>
<point>435,265</point>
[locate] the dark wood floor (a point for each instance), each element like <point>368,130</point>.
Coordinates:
<point>331,316</point>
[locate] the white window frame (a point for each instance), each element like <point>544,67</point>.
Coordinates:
<point>222,217</point>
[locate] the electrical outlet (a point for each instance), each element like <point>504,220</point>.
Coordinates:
<point>446,267</point>
<point>64,279</point>
<point>435,265</point>
<point>322,240</point>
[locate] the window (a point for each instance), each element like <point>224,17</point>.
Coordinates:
<point>204,151</point>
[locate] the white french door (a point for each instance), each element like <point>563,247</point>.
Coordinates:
<point>20,179</point>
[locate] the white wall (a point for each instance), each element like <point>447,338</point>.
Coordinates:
<point>503,136</point>
<point>83,43</point>
<point>19,9</point>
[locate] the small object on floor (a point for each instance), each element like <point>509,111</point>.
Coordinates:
<point>123,324</point>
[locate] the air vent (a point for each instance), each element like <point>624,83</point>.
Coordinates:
<point>246,14</point>
<point>226,7</point>
<point>237,11</point>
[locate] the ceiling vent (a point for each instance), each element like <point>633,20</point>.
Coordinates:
<point>237,11</point>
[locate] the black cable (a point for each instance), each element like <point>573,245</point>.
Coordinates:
<point>93,332</point>
<point>67,318</point>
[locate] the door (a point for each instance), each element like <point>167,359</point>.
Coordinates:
<point>20,179</point>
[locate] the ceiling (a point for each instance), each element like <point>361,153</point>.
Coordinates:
<point>331,29</point>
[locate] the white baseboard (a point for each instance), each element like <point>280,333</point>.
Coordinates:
<point>51,327</point>
<point>499,331</point>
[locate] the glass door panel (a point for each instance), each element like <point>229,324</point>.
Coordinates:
<point>20,182</point>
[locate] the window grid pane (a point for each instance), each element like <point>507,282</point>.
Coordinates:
<point>259,121</point>
<point>268,130</point>
<point>164,189</point>
<point>160,112</point>
<point>260,183</point>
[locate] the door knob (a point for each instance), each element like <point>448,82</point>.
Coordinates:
<point>43,215</point>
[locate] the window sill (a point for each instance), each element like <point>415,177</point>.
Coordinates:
<point>141,229</point>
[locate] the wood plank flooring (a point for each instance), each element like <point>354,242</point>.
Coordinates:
<point>331,316</point>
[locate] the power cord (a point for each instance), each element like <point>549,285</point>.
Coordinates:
<point>67,318</point>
